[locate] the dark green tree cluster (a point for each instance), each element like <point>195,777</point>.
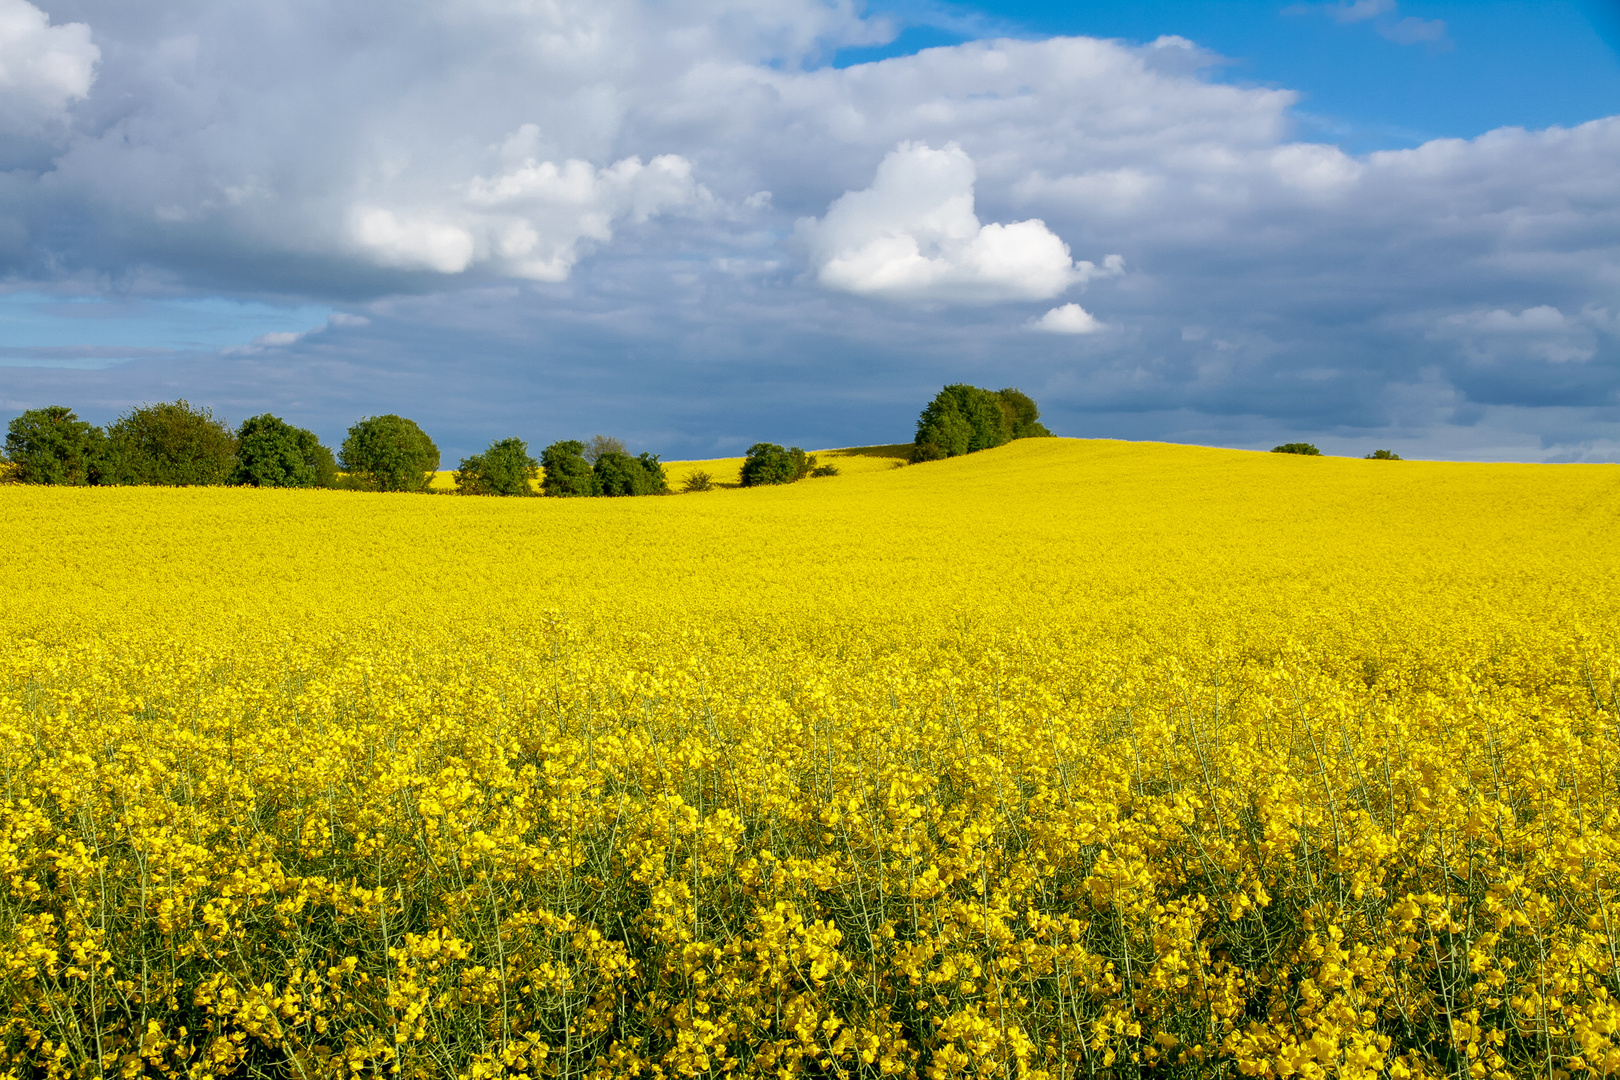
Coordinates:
<point>272,453</point>
<point>172,443</point>
<point>175,443</point>
<point>962,419</point>
<point>767,463</point>
<point>608,471</point>
<point>1297,448</point>
<point>504,469</point>
<point>53,446</point>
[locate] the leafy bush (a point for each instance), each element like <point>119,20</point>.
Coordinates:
<point>504,469</point>
<point>272,453</point>
<point>656,475</point>
<point>1297,448</point>
<point>568,474</point>
<point>389,453</point>
<point>962,419</point>
<point>53,446</point>
<point>768,463</point>
<point>172,443</point>
<point>824,470</point>
<point>698,481</point>
<point>1022,415</point>
<point>617,474</point>
<point>1383,455</point>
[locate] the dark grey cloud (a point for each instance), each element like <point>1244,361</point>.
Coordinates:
<point>561,218</point>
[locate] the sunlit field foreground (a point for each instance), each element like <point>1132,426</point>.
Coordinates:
<point>1065,759</point>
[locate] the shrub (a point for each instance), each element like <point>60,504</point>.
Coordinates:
<point>389,453</point>
<point>619,474</point>
<point>568,474</point>
<point>272,453</point>
<point>656,476</point>
<point>53,446</point>
<point>767,463</point>
<point>504,469</point>
<point>698,481</point>
<point>962,419</point>
<point>1383,455</point>
<point>824,470</point>
<point>1022,415</point>
<point>1297,448</point>
<point>173,444</point>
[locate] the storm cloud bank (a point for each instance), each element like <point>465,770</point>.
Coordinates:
<point>680,223</point>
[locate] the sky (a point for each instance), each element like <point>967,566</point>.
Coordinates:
<point>1359,223</point>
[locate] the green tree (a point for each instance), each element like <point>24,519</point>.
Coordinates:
<point>172,443</point>
<point>389,453</point>
<point>272,453</point>
<point>946,434</point>
<point>656,476</point>
<point>1022,415</point>
<point>53,446</point>
<point>1297,448</point>
<point>1383,455</point>
<point>962,419</point>
<point>504,469</point>
<point>620,474</point>
<point>768,463</point>
<point>568,474</point>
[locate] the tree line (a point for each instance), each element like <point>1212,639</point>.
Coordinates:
<point>1309,450</point>
<point>179,444</point>
<point>176,443</point>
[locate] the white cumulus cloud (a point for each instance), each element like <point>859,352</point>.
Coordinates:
<point>913,235</point>
<point>43,68</point>
<point>1068,319</point>
<point>539,212</point>
<point>411,241</point>
<point>529,219</point>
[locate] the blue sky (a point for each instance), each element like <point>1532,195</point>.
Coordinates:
<point>1530,64</point>
<point>94,331</point>
<point>1367,223</point>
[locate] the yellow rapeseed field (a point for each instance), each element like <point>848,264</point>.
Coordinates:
<point>1066,759</point>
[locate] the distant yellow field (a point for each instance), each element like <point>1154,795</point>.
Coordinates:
<point>1069,758</point>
